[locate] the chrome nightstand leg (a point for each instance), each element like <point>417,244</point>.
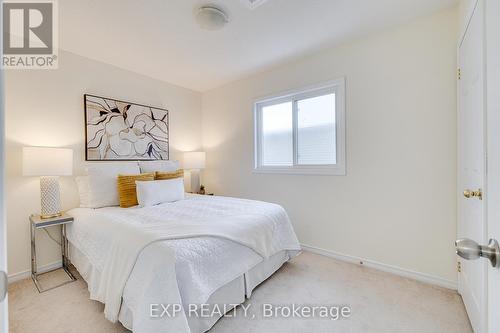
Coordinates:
<point>65,261</point>
<point>64,249</point>
<point>33,259</point>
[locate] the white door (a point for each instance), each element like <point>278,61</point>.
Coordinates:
<point>479,146</point>
<point>472,283</point>
<point>3,245</point>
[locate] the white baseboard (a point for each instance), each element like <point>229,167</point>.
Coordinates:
<point>422,277</point>
<point>26,274</point>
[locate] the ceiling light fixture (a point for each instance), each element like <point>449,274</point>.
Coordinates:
<point>211,18</point>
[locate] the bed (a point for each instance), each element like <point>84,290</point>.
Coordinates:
<point>201,250</point>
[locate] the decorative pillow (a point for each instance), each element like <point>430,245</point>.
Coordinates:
<point>169,175</point>
<point>159,191</point>
<point>102,182</point>
<point>82,182</point>
<point>127,188</point>
<point>161,166</point>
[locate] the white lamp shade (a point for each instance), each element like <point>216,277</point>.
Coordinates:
<point>45,161</point>
<point>194,160</point>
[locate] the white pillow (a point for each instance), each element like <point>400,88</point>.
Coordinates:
<point>83,190</point>
<point>161,166</point>
<point>102,180</point>
<point>150,193</point>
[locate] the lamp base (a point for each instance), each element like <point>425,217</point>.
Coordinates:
<point>43,217</point>
<point>50,198</point>
<point>195,180</point>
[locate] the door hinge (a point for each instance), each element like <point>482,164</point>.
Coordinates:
<point>459,266</point>
<point>459,73</point>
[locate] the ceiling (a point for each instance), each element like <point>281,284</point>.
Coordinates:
<point>160,38</point>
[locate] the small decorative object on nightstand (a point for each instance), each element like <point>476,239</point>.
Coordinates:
<point>36,222</point>
<point>203,192</point>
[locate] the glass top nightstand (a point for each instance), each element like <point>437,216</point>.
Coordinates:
<point>36,222</point>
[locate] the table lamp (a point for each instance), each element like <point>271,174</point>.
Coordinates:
<point>194,161</point>
<point>49,164</point>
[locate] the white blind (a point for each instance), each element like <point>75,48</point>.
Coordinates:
<point>316,139</point>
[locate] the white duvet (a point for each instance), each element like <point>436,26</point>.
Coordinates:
<point>152,239</point>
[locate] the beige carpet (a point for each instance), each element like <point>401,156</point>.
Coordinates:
<point>380,302</point>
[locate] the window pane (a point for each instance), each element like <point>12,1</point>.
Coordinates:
<point>277,135</point>
<point>316,142</point>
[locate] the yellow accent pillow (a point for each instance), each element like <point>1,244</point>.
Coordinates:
<point>127,188</point>
<point>169,175</point>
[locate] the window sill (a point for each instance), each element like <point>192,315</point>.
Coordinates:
<point>308,170</point>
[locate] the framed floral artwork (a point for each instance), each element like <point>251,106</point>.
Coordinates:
<point>119,130</point>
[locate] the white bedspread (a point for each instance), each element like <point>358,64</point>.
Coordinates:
<point>113,239</point>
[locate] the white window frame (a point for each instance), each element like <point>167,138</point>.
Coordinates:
<point>335,86</point>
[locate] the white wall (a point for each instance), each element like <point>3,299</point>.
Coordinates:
<point>45,108</point>
<point>397,203</point>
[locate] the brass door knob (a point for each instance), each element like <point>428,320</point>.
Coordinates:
<point>471,194</point>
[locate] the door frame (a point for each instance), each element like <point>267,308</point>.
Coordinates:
<point>4,317</point>
<point>492,31</point>
<point>4,325</point>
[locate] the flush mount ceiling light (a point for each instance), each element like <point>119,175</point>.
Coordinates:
<point>211,18</point>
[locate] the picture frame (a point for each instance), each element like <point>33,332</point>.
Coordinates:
<point>117,130</point>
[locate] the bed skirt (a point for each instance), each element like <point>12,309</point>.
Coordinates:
<point>234,292</point>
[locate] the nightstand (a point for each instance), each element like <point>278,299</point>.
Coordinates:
<point>200,193</point>
<point>36,222</point>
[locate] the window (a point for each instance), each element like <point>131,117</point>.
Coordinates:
<point>302,131</point>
